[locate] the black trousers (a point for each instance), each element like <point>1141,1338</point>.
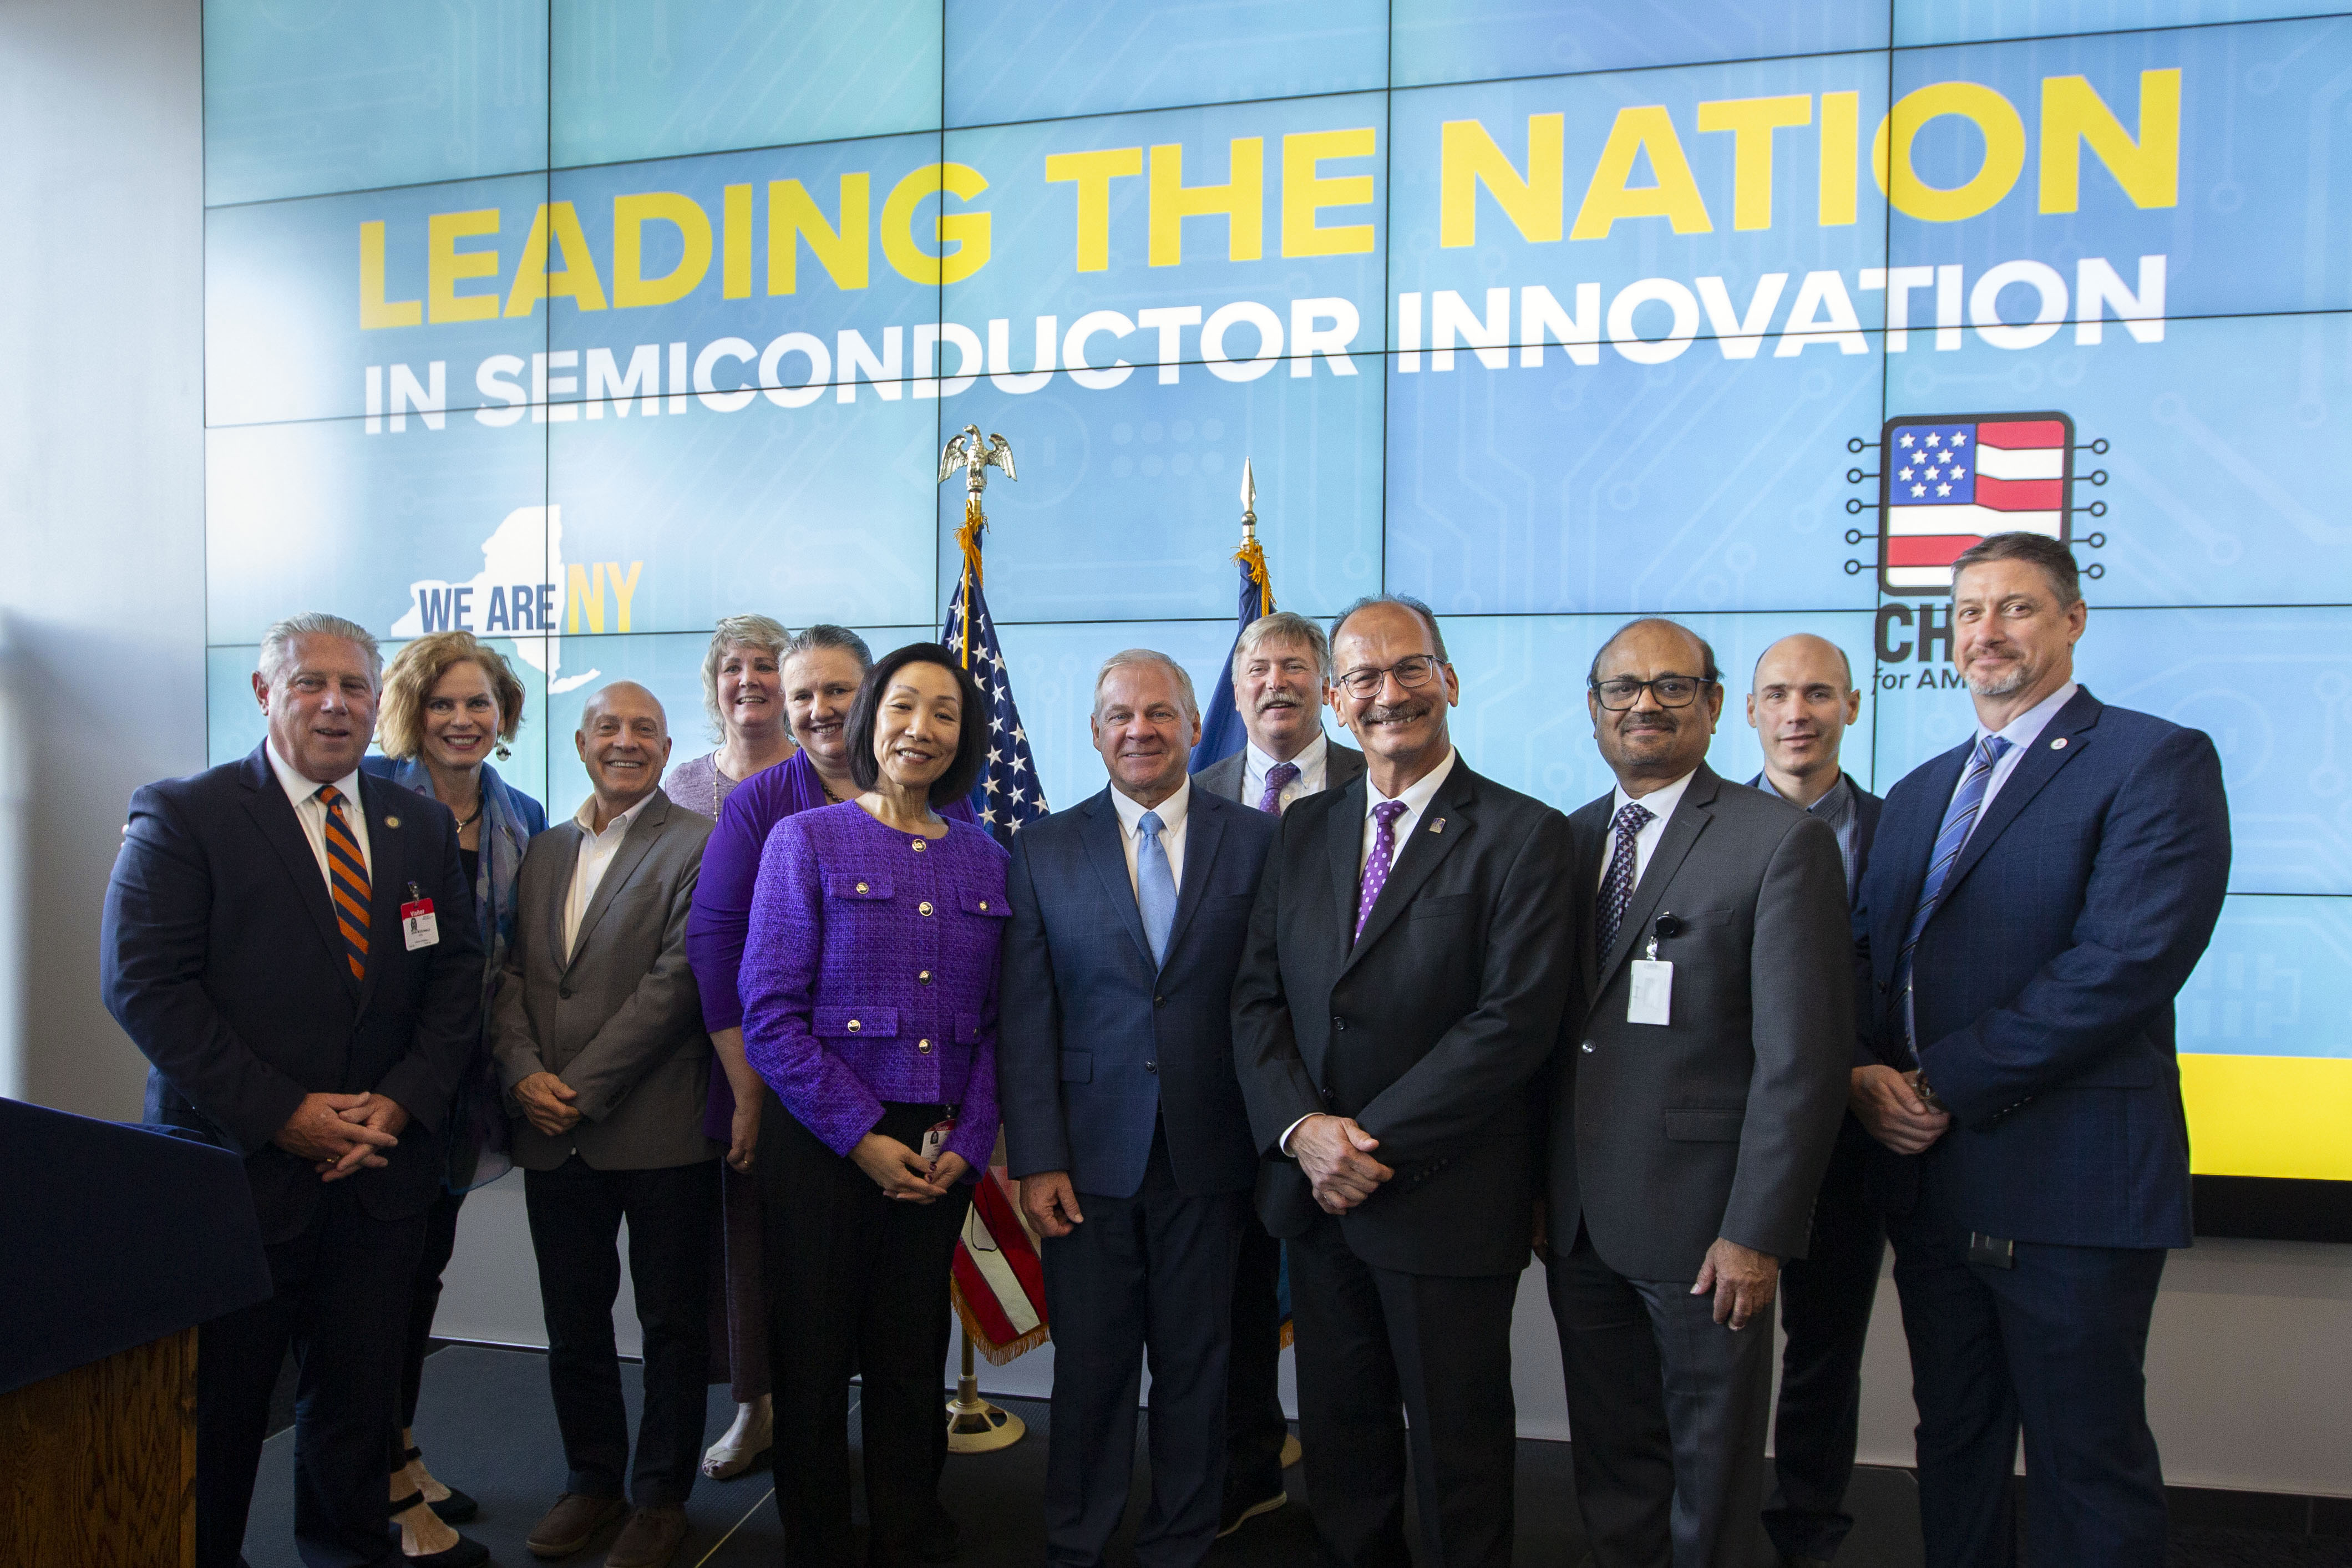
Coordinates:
<point>1666,1414</point>
<point>857,1283</point>
<point>2055,1346</point>
<point>1256,1427</point>
<point>440,1243</point>
<point>340,1302</point>
<point>575,1214</point>
<point>1825,1301</point>
<point>1378,1348</point>
<point>1148,1274</point>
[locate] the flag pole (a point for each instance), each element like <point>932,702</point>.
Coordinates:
<point>975,1426</point>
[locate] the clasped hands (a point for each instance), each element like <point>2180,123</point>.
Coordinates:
<point>341,1134</point>
<point>1890,1107</point>
<point>1336,1154</point>
<point>905,1175</point>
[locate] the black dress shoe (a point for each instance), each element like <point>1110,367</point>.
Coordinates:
<point>1240,1507</point>
<point>466,1553</point>
<point>939,1540</point>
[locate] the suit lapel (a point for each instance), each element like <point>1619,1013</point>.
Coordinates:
<point>1692,814</point>
<point>1889,923</point>
<point>273,814</point>
<point>1204,828</point>
<point>635,844</point>
<point>2040,765</point>
<point>1344,847</point>
<point>387,877</point>
<point>1589,841</point>
<point>1444,823</point>
<point>1342,765</point>
<point>1107,846</point>
<point>567,868</point>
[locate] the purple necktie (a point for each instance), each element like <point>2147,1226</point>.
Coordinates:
<point>1278,779</point>
<point>1375,869</point>
<point>1617,887</point>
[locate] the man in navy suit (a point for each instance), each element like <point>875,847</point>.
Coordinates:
<point>1800,702</point>
<point>1123,1119</point>
<point>2035,899</point>
<point>292,943</point>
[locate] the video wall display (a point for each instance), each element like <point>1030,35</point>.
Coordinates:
<point>581,325</point>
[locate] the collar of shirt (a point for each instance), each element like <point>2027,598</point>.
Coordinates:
<point>1415,799</point>
<point>1836,805</point>
<point>2021,733</point>
<point>596,853</point>
<point>1660,804</point>
<point>616,829</point>
<point>1256,765</point>
<point>1173,812</point>
<point>310,811</point>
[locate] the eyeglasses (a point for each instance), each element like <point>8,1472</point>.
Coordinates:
<point>1621,691</point>
<point>1417,671</point>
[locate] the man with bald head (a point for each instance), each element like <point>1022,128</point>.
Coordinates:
<point>597,1029</point>
<point>1800,702</point>
<point>1696,1100</point>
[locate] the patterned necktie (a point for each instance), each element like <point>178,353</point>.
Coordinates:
<point>1155,886</point>
<point>1960,820</point>
<point>1375,869</point>
<point>1617,887</point>
<point>1277,779</point>
<point>347,881</point>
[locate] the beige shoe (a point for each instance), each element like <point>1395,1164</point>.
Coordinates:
<point>571,1524</point>
<point>650,1539</point>
<point>740,1446</point>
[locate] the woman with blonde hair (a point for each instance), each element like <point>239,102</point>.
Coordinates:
<point>742,691</point>
<point>448,703</point>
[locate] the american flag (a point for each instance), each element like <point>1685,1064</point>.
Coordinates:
<point>1008,797</point>
<point>1946,481</point>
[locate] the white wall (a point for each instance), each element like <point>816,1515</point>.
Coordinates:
<point>101,688</point>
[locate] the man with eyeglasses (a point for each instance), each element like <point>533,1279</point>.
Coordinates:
<point>1400,994</point>
<point>1695,1103</point>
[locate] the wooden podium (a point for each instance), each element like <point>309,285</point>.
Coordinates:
<point>119,1240</point>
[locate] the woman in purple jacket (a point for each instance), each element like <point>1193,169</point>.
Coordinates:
<point>869,982</point>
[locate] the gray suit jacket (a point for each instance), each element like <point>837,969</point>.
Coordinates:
<point>1342,765</point>
<point>620,1020</point>
<point>1719,1123</point>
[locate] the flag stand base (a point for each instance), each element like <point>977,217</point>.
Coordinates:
<point>975,1426</point>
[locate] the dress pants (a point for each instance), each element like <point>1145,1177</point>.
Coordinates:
<point>2056,1345</point>
<point>340,1299</point>
<point>1666,1416</point>
<point>1825,1300</point>
<point>1378,1347</point>
<point>1256,1427</point>
<point>857,1283</point>
<point>425,1299</point>
<point>1152,1273</point>
<point>739,1295</point>
<point>575,1212</point>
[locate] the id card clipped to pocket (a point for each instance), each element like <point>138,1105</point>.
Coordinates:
<point>1652,992</point>
<point>419,926</point>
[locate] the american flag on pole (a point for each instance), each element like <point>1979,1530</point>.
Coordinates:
<point>1946,481</point>
<point>1008,797</point>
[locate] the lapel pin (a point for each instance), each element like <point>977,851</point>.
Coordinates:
<point>1438,826</point>
<point>2059,744</point>
<point>392,822</point>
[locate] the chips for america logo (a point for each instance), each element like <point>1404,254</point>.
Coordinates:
<point>1945,481</point>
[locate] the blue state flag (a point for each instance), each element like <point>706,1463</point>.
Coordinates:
<point>1222,731</point>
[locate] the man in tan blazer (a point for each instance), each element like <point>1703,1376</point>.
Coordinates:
<point>599,1039</point>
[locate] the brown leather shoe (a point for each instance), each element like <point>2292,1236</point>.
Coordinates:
<point>570,1524</point>
<point>650,1539</point>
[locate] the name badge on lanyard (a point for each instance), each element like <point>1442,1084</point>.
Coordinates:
<point>418,925</point>
<point>1652,994</point>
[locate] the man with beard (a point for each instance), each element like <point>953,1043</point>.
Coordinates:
<point>1800,702</point>
<point>1400,994</point>
<point>2037,897</point>
<point>1282,678</point>
<point>1696,1101</point>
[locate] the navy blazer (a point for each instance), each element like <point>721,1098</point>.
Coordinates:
<point>2043,983</point>
<point>220,957</point>
<point>1095,1042</point>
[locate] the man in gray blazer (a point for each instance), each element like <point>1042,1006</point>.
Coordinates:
<point>1695,1101</point>
<point>599,1041</point>
<point>1282,681</point>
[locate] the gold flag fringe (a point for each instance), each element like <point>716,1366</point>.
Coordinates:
<point>997,1354</point>
<point>1252,554</point>
<point>968,540</point>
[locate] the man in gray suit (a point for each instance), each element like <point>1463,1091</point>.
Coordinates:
<point>1282,680</point>
<point>1695,1103</point>
<point>599,1041</point>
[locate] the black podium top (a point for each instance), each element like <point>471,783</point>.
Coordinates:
<point>114,1235</point>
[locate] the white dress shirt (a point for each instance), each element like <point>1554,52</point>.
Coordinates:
<point>596,853</point>
<point>311,812</point>
<point>1311,763</point>
<point>1660,804</point>
<point>2021,733</point>
<point>1172,812</point>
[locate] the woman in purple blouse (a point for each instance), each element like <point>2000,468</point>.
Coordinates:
<point>869,982</point>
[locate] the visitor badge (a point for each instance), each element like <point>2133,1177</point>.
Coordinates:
<point>1652,992</point>
<point>935,1138</point>
<point>418,921</point>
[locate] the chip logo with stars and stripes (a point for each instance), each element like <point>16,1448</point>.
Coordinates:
<point>1946,481</point>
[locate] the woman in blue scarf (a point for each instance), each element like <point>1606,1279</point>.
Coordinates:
<point>449,702</point>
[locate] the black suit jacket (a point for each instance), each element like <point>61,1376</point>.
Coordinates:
<point>1342,765</point>
<point>221,960</point>
<point>1095,1042</point>
<point>1431,1029</point>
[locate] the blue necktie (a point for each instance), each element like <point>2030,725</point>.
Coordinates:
<point>1960,820</point>
<point>1155,886</point>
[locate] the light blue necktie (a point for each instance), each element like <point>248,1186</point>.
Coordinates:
<point>1155,886</point>
<point>1960,820</point>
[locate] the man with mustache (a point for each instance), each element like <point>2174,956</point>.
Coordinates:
<point>1282,678</point>
<point>1800,702</point>
<point>1399,995</point>
<point>1696,1101</point>
<point>2036,898</point>
<point>1122,1118</point>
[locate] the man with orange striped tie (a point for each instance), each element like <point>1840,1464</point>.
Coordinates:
<point>291,942</point>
